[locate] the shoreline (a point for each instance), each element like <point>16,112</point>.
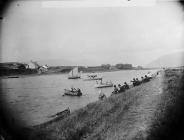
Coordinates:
<point>63,73</point>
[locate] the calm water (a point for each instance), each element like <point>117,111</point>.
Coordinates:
<point>34,99</point>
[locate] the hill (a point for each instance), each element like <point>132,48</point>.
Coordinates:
<point>170,60</point>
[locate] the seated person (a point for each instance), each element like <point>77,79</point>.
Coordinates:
<point>79,93</point>
<point>142,79</point>
<point>137,82</point>
<point>146,79</point>
<point>126,86</point>
<point>121,88</point>
<point>149,75</point>
<point>134,82</point>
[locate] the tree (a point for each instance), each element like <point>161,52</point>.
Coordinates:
<point>124,66</point>
<point>106,66</point>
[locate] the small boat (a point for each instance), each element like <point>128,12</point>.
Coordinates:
<point>72,92</point>
<point>63,113</point>
<point>58,116</point>
<point>92,77</point>
<point>104,85</point>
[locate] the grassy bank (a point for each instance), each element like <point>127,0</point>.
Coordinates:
<point>169,117</point>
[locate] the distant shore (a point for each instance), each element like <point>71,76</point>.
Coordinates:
<point>54,72</point>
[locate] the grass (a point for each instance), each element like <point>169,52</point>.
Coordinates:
<point>169,117</point>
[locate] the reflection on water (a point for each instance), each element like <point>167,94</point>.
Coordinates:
<point>36,98</point>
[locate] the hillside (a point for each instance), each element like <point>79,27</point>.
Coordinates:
<point>170,60</point>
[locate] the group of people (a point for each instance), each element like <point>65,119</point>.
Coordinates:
<point>135,81</point>
<point>144,79</point>
<point>79,93</point>
<point>119,88</point>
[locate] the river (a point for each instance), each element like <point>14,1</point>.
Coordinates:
<point>34,98</point>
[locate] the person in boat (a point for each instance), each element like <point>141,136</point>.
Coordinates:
<point>73,89</point>
<point>79,93</point>
<point>121,88</point>
<point>126,86</point>
<point>157,72</point>
<point>115,90</point>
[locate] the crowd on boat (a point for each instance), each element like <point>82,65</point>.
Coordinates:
<point>73,92</point>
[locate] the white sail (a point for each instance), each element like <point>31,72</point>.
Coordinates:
<point>71,73</point>
<point>75,72</point>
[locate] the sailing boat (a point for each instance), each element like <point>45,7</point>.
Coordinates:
<point>74,74</point>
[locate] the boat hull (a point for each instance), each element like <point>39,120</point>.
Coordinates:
<point>58,116</point>
<point>104,86</point>
<point>74,77</point>
<point>70,93</point>
<point>93,79</point>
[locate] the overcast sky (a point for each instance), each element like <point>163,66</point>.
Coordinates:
<point>95,35</point>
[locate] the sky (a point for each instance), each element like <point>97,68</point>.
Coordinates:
<point>90,33</point>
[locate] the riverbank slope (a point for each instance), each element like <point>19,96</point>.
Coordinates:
<point>149,111</point>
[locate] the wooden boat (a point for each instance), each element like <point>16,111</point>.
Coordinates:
<point>104,85</point>
<point>72,93</point>
<point>74,74</point>
<point>58,116</point>
<point>61,114</point>
<point>92,77</point>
